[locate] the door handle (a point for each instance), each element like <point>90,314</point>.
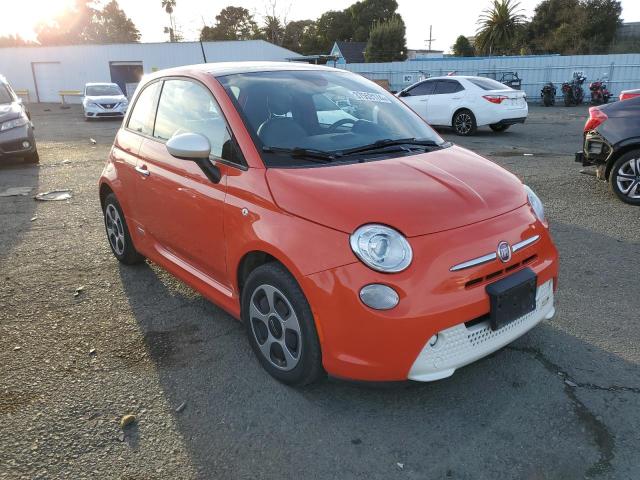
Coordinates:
<point>143,171</point>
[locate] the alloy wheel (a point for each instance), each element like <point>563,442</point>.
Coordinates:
<point>275,327</point>
<point>115,229</point>
<point>463,123</point>
<point>628,178</point>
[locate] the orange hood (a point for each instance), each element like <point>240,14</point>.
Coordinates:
<point>417,194</point>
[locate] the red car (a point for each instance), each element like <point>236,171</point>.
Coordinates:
<point>357,243</point>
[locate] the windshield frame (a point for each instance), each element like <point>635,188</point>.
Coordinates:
<point>5,88</point>
<point>268,153</point>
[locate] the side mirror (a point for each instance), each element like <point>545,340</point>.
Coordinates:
<point>403,94</point>
<point>194,147</point>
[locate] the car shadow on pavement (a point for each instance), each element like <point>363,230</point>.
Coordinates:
<point>16,211</point>
<point>550,405</point>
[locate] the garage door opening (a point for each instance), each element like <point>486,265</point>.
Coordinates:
<point>127,75</point>
<point>48,79</point>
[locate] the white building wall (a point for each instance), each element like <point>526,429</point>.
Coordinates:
<point>90,63</point>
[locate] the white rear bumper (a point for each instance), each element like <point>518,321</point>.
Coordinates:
<point>458,346</point>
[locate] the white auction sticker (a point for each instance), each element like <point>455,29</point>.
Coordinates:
<point>371,97</point>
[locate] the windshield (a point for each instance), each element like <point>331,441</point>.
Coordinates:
<point>102,90</point>
<point>319,111</point>
<point>5,96</point>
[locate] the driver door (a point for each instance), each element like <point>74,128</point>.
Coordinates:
<point>417,97</point>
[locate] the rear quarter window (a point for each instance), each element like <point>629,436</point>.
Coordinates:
<point>488,84</point>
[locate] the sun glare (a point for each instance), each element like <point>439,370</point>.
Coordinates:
<point>21,17</point>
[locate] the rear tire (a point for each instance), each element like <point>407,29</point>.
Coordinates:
<point>118,232</point>
<point>498,127</point>
<point>280,326</point>
<point>547,100</point>
<point>567,101</point>
<point>464,123</point>
<point>624,178</point>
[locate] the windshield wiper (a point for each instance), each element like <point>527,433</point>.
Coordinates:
<point>319,156</point>
<point>391,142</point>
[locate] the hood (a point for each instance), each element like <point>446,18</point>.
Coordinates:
<point>9,111</point>
<point>417,195</point>
<point>106,98</point>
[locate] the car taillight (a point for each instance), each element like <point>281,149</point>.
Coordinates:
<point>628,95</point>
<point>596,118</point>
<point>498,99</point>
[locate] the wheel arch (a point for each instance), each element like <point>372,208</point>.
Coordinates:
<point>620,151</point>
<point>105,189</point>
<point>460,109</point>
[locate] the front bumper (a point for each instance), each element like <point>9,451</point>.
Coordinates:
<point>361,343</point>
<point>17,141</point>
<point>118,111</point>
<point>460,345</point>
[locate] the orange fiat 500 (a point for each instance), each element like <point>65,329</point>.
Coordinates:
<point>326,215</point>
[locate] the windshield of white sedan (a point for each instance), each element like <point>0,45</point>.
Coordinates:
<point>297,117</point>
<point>103,91</point>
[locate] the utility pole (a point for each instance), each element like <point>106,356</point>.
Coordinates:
<point>431,39</point>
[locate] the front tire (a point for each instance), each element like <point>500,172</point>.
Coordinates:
<point>499,127</point>
<point>464,123</point>
<point>118,232</point>
<point>624,178</point>
<point>280,326</point>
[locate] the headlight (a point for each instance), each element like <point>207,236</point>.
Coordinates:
<point>536,204</point>
<point>21,121</point>
<point>381,248</point>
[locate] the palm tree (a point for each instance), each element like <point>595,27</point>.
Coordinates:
<point>499,27</point>
<point>168,6</point>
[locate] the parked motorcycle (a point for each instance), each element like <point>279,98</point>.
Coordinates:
<point>548,94</point>
<point>599,92</point>
<point>572,91</point>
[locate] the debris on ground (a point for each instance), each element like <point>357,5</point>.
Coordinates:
<point>591,173</point>
<point>571,384</point>
<point>92,351</point>
<point>528,154</point>
<point>127,420</point>
<point>16,192</point>
<point>92,141</point>
<point>78,291</point>
<point>181,407</point>
<point>34,218</point>
<point>16,348</point>
<point>54,195</point>
<point>400,465</point>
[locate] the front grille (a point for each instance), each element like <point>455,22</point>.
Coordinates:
<point>498,273</point>
<point>108,105</point>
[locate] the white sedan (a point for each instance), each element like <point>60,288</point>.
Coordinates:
<point>466,103</point>
<point>104,100</point>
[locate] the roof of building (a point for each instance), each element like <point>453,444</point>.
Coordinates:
<point>353,52</point>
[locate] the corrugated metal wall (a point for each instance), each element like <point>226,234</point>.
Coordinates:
<point>90,63</point>
<point>623,70</point>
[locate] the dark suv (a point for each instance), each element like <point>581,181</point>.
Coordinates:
<point>16,129</point>
<point>612,143</point>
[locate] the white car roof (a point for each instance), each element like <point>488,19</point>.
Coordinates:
<point>100,84</point>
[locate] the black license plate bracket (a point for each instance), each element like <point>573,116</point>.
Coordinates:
<point>512,297</point>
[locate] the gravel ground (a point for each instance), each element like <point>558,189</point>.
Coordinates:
<point>84,341</point>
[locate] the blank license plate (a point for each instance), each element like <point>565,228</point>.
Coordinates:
<point>512,297</point>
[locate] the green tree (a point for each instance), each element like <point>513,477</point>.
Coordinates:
<point>387,41</point>
<point>367,12</point>
<point>300,36</point>
<point>84,23</point>
<point>14,41</point>
<point>113,25</point>
<point>598,24</point>
<point>462,47</point>
<point>232,23</point>
<point>332,26</point>
<point>169,6</point>
<point>273,30</point>
<point>499,27</point>
<point>553,26</point>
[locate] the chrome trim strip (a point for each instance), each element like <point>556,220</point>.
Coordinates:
<point>525,243</point>
<point>472,263</point>
<point>492,256</point>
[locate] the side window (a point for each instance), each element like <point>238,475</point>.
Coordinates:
<point>188,107</point>
<point>448,86</point>
<point>141,119</point>
<point>424,88</point>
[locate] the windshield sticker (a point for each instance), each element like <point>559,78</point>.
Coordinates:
<point>371,97</point>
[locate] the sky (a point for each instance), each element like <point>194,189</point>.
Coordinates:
<point>449,18</point>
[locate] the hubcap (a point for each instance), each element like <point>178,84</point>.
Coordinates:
<point>115,229</point>
<point>275,327</point>
<point>628,178</point>
<point>463,123</point>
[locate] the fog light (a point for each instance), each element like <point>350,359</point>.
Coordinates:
<point>25,144</point>
<point>379,297</point>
